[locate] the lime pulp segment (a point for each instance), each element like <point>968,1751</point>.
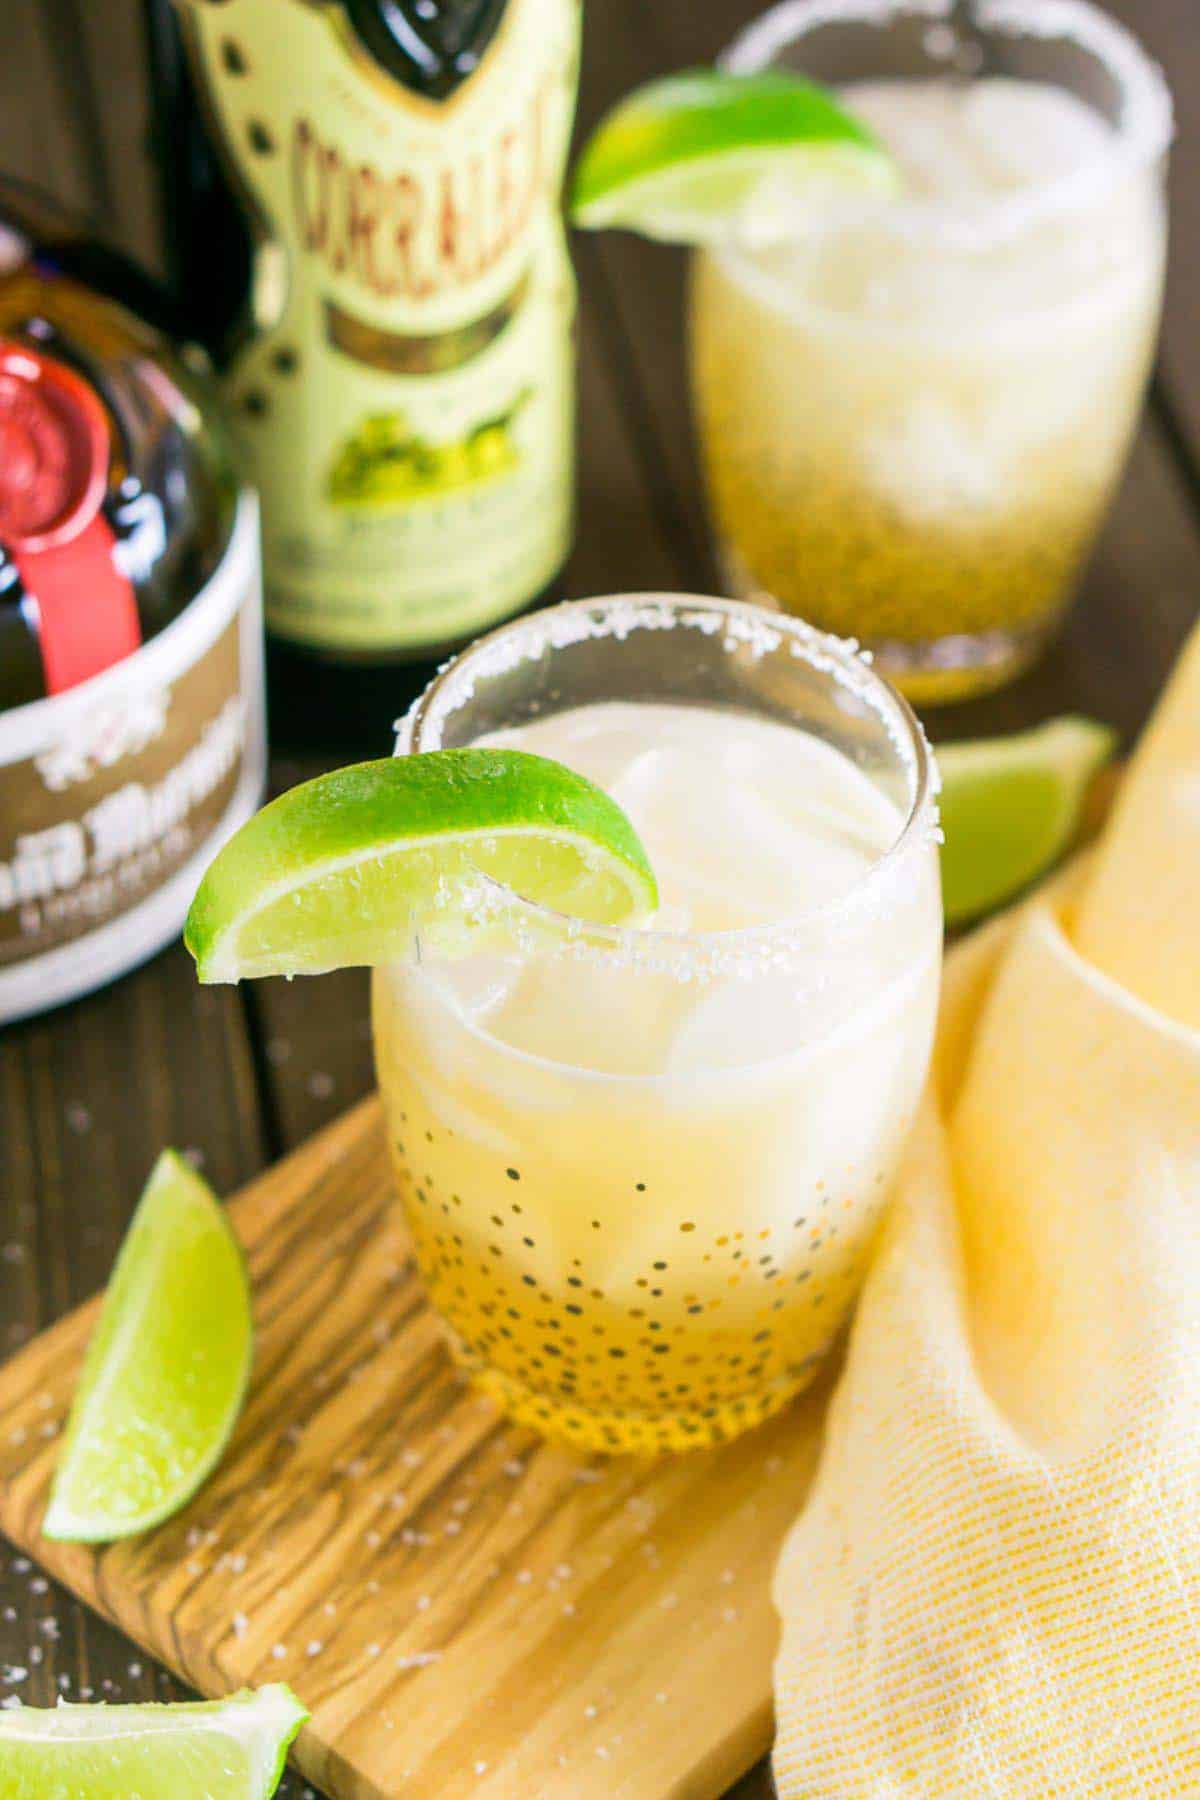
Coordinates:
<point>230,1749</point>
<point>709,154</point>
<point>166,1369</point>
<point>1011,806</point>
<point>348,868</point>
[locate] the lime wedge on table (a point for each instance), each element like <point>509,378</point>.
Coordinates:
<point>165,1371</point>
<point>1011,806</point>
<point>709,154</point>
<point>221,1749</point>
<point>341,869</point>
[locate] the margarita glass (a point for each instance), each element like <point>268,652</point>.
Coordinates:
<point>643,1167</point>
<point>912,414</point>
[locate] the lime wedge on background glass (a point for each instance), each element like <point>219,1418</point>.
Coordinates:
<point>709,155</point>
<point>1010,807</point>
<point>166,1369</point>
<point>230,1749</point>
<point>342,869</point>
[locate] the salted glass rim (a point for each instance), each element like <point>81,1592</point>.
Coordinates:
<point>1141,135</point>
<point>745,626</point>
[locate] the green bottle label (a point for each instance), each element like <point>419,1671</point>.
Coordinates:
<point>404,390</point>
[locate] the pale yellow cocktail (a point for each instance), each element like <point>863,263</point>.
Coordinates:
<point>913,414</point>
<point>643,1169</point>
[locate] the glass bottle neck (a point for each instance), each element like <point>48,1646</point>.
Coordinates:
<point>428,45</point>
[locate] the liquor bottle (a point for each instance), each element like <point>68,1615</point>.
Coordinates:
<point>132,731</point>
<point>364,208</point>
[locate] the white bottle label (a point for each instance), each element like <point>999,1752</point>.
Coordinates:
<point>405,390</point>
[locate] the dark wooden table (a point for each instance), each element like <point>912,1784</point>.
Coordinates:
<point>89,1094</point>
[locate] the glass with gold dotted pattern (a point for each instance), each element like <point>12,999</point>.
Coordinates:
<point>643,1168</point>
<point>913,411</point>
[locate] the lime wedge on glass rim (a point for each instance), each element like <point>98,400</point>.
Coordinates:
<point>1011,806</point>
<point>709,154</point>
<point>230,1749</point>
<point>343,869</point>
<point>166,1369</point>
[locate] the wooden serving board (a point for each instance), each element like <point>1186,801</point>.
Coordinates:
<point>464,1609</point>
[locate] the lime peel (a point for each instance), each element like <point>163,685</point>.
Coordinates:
<point>1011,806</point>
<point>166,1369</point>
<point>350,867</point>
<point>231,1749</point>
<point>688,159</point>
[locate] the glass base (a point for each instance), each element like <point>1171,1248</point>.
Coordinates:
<point>960,667</point>
<point>928,671</point>
<point>626,1433</point>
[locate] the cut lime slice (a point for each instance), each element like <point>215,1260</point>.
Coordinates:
<point>166,1370</point>
<point>711,155</point>
<point>220,1749</point>
<point>1011,806</point>
<point>343,869</point>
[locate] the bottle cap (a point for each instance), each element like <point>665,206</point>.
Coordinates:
<point>54,457</point>
<point>53,451</point>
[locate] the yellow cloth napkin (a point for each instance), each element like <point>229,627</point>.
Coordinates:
<point>994,1589</point>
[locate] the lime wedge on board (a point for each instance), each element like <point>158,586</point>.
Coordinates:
<point>709,155</point>
<point>230,1749</point>
<point>1011,806</point>
<point>166,1369</point>
<point>339,870</point>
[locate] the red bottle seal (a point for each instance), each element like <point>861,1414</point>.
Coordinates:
<point>54,454</point>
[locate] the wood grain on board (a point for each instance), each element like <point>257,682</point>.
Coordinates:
<point>464,1609</point>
